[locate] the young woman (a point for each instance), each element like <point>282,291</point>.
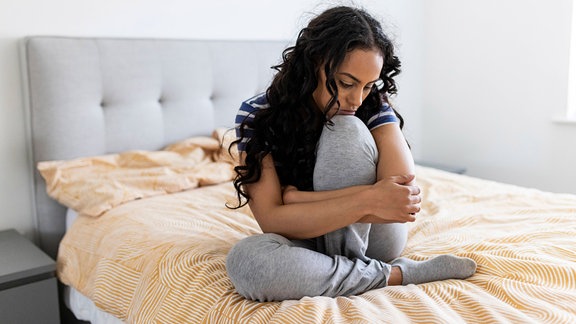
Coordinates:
<point>327,172</point>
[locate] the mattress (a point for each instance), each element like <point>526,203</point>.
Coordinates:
<point>84,309</point>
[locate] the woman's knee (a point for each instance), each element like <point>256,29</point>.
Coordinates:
<point>347,155</point>
<point>248,264</point>
<point>387,241</point>
<point>348,133</point>
<point>246,252</point>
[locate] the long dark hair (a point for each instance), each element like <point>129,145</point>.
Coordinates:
<point>290,128</point>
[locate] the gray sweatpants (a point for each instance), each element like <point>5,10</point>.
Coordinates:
<point>348,261</point>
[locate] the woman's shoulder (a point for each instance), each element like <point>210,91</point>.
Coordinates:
<point>251,106</point>
<point>384,109</point>
<point>383,116</point>
<point>259,101</point>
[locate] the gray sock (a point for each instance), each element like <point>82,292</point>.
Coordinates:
<point>442,267</point>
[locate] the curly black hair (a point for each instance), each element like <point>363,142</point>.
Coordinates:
<point>290,128</point>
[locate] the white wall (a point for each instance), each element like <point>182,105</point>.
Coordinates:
<point>495,76</point>
<point>218,19</point>
<point>481,81</point>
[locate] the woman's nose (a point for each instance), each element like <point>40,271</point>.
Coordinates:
<point>355,98</point>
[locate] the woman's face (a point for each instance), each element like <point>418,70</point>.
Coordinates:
<point>354,78</point>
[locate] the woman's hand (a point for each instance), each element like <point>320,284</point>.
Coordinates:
<point>395,199</point>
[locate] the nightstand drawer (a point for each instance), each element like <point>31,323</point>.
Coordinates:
<point>28,284</point>
<point>36,302</point>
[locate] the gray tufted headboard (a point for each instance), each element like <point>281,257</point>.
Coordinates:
<point>92,96</point>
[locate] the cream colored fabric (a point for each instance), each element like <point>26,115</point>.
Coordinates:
<point>162,259</point>
<point>94,185</point>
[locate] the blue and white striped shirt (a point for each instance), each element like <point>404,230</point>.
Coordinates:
<point>249,107</point>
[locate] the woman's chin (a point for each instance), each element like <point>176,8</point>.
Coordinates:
<point>346,113</point>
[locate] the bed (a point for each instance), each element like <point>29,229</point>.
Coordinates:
<point>129,140</point>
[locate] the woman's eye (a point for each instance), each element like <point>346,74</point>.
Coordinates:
<point>346,85</point>
<point>368,87</point>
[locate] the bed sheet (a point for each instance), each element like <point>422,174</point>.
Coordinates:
<point>162,259</point>
<point>84,309</point>
<point>81,306</point>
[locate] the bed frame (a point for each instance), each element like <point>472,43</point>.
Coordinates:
<point>93,96</point>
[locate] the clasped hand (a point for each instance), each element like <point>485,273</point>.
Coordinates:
<point>395,199</point>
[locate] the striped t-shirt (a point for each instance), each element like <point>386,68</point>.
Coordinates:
<point>249,107</point>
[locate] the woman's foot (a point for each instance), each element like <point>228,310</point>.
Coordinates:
<point>441,267</point>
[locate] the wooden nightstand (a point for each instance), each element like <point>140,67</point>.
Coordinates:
<point>28,285</point>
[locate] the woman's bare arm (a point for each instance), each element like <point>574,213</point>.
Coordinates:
<point>395,158</point>
<point>394,154</point>
<point>387,200</point>
<point>292,195</point>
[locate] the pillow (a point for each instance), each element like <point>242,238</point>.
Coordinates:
<point>93,185</point>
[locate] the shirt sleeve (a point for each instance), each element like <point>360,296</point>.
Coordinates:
<point>386,115</point>
<point>246,115</point>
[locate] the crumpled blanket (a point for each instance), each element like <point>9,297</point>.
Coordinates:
<point>94,185</point>
<point>161,258</point>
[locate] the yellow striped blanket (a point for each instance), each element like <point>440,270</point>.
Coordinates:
<point>161,258</point>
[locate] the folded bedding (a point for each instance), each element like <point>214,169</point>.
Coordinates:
<point>153,231</point>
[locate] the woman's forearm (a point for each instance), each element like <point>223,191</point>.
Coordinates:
<point>291,195</point>
<point>387,201</point>
<point>314,214</point>
<point>302,220</point>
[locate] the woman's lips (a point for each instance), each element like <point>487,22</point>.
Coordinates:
<point>346,112</point>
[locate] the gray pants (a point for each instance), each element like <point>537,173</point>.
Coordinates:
<point>348,261</point>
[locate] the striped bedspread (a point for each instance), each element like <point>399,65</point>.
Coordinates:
<point>161,259</point>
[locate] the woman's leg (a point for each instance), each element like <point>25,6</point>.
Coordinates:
<point>347,156</point>
<point>270,267</point>
<point>387,241</point>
